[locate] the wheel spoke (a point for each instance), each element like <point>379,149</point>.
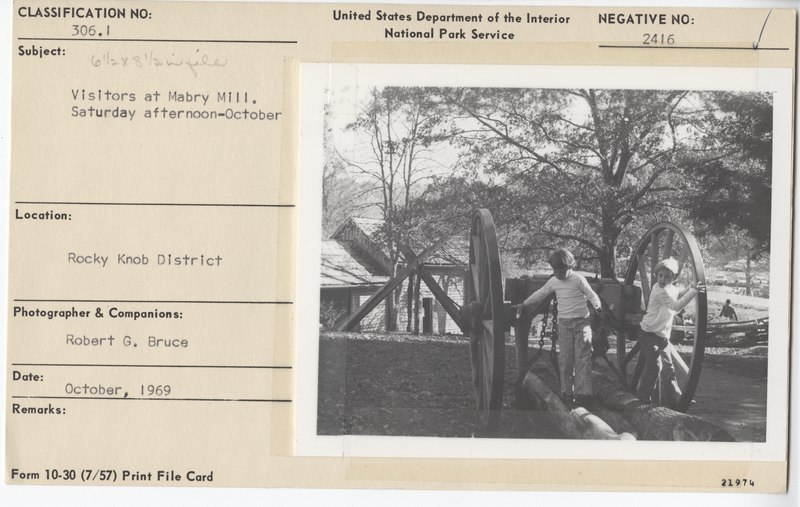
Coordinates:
<point>485,282</point>
<point>477,246</point>
<point>476,288</point>
<point>668,243</point>
<point>485,387</point>
<point>644,277</point>
<point>487,365</point>
<point>481,380</point>
<point>631,354</point>
<point>682,259</point>
<point>486,312</point>
<point>653,256</point>
<point>637,371</point>
<point>488,324</point>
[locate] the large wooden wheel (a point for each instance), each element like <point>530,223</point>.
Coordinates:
<point>661,241</point>
<point>486,314</point>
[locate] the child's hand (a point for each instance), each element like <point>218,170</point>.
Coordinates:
<point>700,286</point>
<point>518,307</point>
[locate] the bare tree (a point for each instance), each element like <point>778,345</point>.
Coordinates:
<point>399,127</point>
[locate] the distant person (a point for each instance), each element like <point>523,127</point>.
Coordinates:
<point>574,332</point>
<point>666,300</point>
<point>727,311</point>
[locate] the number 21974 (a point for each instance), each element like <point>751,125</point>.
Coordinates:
<point>732,483</point>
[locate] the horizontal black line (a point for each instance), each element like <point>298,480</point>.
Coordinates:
<point>151,301</point>
<point>691,47</point>
<point>218,41</point>
<point>226,366</point>
<point>146,399</point>
<point>188,204</point>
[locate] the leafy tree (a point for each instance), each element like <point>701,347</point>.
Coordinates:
<point>733,184</point>
<point>581,166</point>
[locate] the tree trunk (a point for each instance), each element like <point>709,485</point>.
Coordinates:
<point>417,281</point>
<point>608,256</point>
<point>747,269</point>
<point>615,408</point>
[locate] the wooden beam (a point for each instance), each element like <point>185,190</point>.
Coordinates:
<point>644,278</point>
<point>452,308</point>
<point>347,323</point>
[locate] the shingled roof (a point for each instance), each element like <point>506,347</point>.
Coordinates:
<point>343,265</point>
<point>455,252</point>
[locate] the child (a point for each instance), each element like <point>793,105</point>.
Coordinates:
<point>665,301</point>
<point>574,334</point>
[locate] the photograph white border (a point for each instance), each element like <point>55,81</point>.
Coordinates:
<point>317,79</point>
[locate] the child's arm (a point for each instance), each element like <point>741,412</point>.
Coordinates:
<point>684,296</point>
<point>591,295</point>
<point>538,296</point>
<point>678,304</point>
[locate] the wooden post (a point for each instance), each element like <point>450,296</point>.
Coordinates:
<point>410,302</point>
<point>522,329</point>
<point>427,315</point>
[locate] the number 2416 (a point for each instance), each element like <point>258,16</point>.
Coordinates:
<point>658,39</point>
<point>727,483</point>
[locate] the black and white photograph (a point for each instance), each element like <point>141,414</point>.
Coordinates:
<point>548,263</point>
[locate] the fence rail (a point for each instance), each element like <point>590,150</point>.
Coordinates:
<point>758,328</point>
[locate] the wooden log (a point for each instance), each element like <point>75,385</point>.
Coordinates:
<point>572,423</point>
<point>615,408</point>
<point>651,422</point>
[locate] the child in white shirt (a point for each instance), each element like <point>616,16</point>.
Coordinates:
<point>665,301</point>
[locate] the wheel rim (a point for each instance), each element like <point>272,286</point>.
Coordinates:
<point>485,299</point>
<point>661,241</point>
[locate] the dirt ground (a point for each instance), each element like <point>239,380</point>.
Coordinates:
<point>403,385</point>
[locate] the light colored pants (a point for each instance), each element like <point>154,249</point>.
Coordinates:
<point>657,363</point>
<point>575,356</point>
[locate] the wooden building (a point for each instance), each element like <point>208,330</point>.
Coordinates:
<point>355,265</point>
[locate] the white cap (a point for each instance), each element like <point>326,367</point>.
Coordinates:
<point>669,264</point>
